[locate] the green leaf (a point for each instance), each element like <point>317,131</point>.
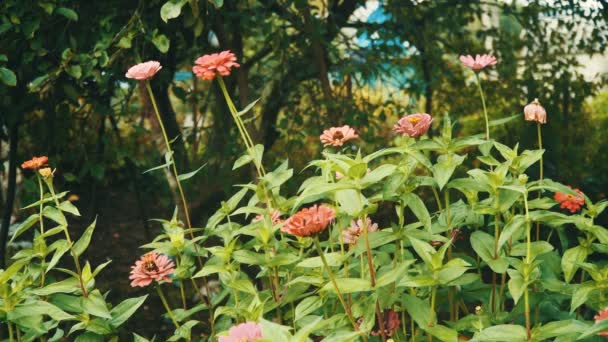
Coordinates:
<point>68,207</point>
<point>189,175</point>
<point>68,13</point>
<point>502,333</point>
<point>349,285</point>
<point>171,9</point>
<point>248,108</point>
<point>499,122</point>
<point>570,260</point>
<point>54,214</point>
<point>443,170</point>
<point>601,326</point>
<point>558,328</point>
<point>81,245</point>
<point>418,208</point>
<point>137,338</point>
<point>60,247</point>
<point>121,312</point>
<point>38,307</point>
<point>96,305</point>
<point>8,77</point>
<point>161,42</point>
<point>418,309</point>
<point>512,228</point>
<point>333,259</point>
<point>351,201</point>
<point>580,295</point>
<point>25,225</point>
<point>536,248</point>
<point>483,244</point>
<point>217,3</point>
<point>308,306</point>
<point>12,269</point>
<point>74,71</point>
<point>184,331</point>
<point>70,285</point>
<point>243,160</point>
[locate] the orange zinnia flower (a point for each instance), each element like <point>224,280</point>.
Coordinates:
<point>35,163</point>
<point>208,66</point>
<point>570,202</point>
<point>601,315</point>
<point>151,267</point>
<point>309,221</point>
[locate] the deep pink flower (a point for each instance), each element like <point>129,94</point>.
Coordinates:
<point>309,221</point>
<point>35,163</point>
<point>535,112</point>
<point>479,62</point>
<point>244,332</point>
<point>208,66</point>
<point>151,267</point>
<point>143,71</point>
<point>337,136</point>
<point>570,202</point>
<point>352,234</point>
<point>414,125</point>
<point>275,218</point>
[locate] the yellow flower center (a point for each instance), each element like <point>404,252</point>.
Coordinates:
<point>414,119</point>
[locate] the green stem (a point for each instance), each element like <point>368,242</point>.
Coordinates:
<point>540,146</point>
<point>334,282</point>
<point>372,275</point>
<point>483,103</point>
<point>41,222</point>
<point>166,305</point>
<point>528,263</point>
<point>10,332</point>
<point>85,293</point>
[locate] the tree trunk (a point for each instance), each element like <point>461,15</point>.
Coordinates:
<point>10,192</point>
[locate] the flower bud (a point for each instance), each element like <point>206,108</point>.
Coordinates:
<point>46,172</point>
<point>523,179</point>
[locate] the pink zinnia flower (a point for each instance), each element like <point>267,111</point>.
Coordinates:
<point>414,125</point>
<point>151,267</point>
<point>352,234</point>
<point>208,66</point>
<point>479,62</point>
<point>337,136</point>
<point>35,163</point>
<point>601,315</point>
<point>570,202</point>
<point>244,332</point>
<point>275,218</point>
<point>143,71</point>
<point>309,221</point>
<point>535,112</point>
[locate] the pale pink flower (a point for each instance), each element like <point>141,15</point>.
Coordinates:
<point>208,66</point>
<point>275,218</point>
<point>601,315</point>
<point>309,221</point>
<point>151,267</point>
<point>535,112</point>
<point>143,71</point>
<point>479,62</point>
<point>414,125</point>
<point>337,136</point>
<point>352,234</point>
<point>244,332</point>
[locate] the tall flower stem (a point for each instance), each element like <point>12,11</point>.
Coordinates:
<point>483,103</point>
<point>528,263</point>
<point>41,222</point>
<point>540,147</point>
<point>334,282</point>
<point>49,183</point>
<point>172,157</point>
<point>372,276</point>
<point>166,305</point>
<point>180,189</point>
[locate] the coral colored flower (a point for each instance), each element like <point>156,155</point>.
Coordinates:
<point>275,218</point>
<point>151,267</point>
<point>413,125</point>
<point>570,202</point>
<point>35,163</point>
<point>143,71</point>
<point>244,332</point>
<point>479,62</point>
<point>46,172</point>
<point>535,112</point>
<point>352,234</point>
<point>309,221</point>
<point>601,315</point>
<point>208,66</point>
<point>337,136</point>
